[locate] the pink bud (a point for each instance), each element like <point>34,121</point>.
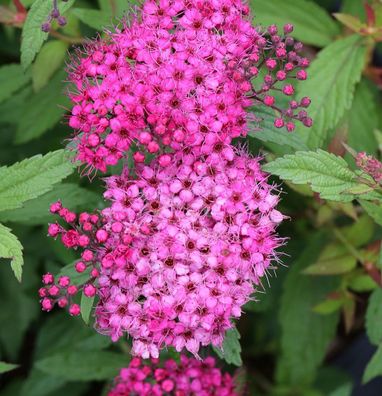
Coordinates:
<point>72,290</point>
<point>83,240</point>
<point>288,28</point>
<point>305,101</point>
<point>93,140</point>
<point>164,160</point>
<point>301,75</point>
<point>62,302</point>
<point>290,126</point>
<point>64,281</point>
<point>288,90</point>
<point>80,266</point>
<point>53,230</point>
<point>74,310</point>
<point>54,291</point>
<point>281,75</point>
<point>55,207</point>
<point>42,292</point>
<point>47,278</point>
<point>138,157</point>
<point>89,290</point>
<point>279,122</point>
<point>102,236</point>
<point>46,304</point>
<point>87,255</point>
<point>94,273</point>
<point>269,100</point>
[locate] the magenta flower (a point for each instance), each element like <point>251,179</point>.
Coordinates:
<point>178,253</point>
<point>189,377</point>
<point>176,73</point>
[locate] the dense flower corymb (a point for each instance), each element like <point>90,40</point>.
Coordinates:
<point>177,72</point>
<point>180,250</point>
<point>189,377</point>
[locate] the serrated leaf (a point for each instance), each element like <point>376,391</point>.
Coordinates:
<point>313,25</point>
<point>94,18</point>
<point>331,83</point>
<point>374,367</point>
<point>44,110</point>
<point>32,177</point>
<point>12,78</point>
<point>48,60</point>
<point>374,317</point>
<point>11,248</point>
<point>327,174</point>
<point>36,211</point>
<point>5,367</point>
<point>83,365</point>
<point>86,307</point>
<point>359,189</point>
<point>231,348</point>
<point>269,133</point>
<point>32,36</point>
<point>373,210</point>
<point>305,334</point>
<point>362,120</point>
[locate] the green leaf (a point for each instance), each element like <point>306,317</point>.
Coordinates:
<point>12,78</point>
<point>48,60</point>
<point>32,177</point>
<point>11,248</point>
<point>312,24</point>
<point>5,367</point>
<point>305,334</point>
<point>33,37</point>
<point>373,210</point>
<point>83,365</point>
<point>44,110</point>
<point>350,21</point>
<point>374,317</point>
<point>360,232</point>
<point>374,367</point>
<point>231,349</point>
<point>86,307</point>
<point>332,79</point>
<point>329,306</point>
<point>269,133</point>
<point>94,18</point>
<point>362,283</point>
<point>362,120</point>
<point>327,174</point>
<point>36,211</point>
<point>76,277</point>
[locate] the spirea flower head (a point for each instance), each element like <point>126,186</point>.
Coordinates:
<point>180,250</point>
<point>370,165</point>
<point>189,377</point>
<point>175,72</point>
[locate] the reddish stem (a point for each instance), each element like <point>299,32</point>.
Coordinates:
<point>19,7</point>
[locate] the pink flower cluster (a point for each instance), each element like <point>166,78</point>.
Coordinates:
<point>370,165</point>
<point>178,252</point>
<point>189,377</point>
<point>177,74</point>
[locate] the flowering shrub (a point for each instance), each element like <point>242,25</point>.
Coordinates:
<point>198,115</point>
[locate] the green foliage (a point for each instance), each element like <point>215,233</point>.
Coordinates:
<point>374,317</point>
<point>43,112</point>
<point>12,78</point>
<point>32,36</point>
<point>83,365</point>
<point>374,367</point>
<point>4,367</point>
<point>326,173</point>
<point>36,210</point>
<point>313,24</point>
<point>86,307</point>
<point>305,334</point>
<point>48,60</point>
<point>333,76</point>
<point>94,18</point>
<point>231,349</point>
<point>32,177</point>
<point>11,248</point>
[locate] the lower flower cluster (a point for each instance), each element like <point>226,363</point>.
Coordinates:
<point>177,253</point>
<point>189,377</point>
